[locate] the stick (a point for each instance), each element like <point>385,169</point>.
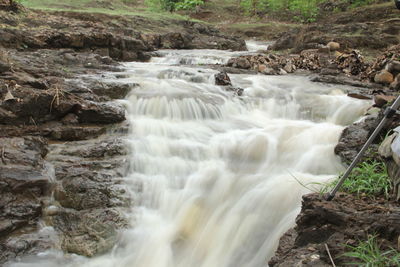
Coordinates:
<point>329,254</point>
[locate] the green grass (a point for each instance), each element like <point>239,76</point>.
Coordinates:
<point>116,7</point>
<point>368,179</point>
<point>369,254</point>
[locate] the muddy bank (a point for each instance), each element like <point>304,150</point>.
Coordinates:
<point>335,224</point>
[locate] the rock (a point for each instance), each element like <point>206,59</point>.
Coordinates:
<point>101,113</point>
<point>384,77</point>
<point>261,68</point>
<point>324,49</point>
<point>222,79</point>
<point>289,67</point>
<point>381,100</point>
<point>359,96</point>
<point>89,194</point>
<point>395,85</point>
<point>111,90</point>
<point>333,46</point>
<point>88,233</point>
<point>354,137</point>
<point>243,63</point>
<point>393,67</point>
<point>70,118</point>
<point>4,67</point>
<point>238,91</point>
<point>24,183</point>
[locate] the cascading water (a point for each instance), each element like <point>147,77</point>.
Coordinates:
<point>216,178</point>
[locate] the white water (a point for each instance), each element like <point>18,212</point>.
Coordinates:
<point>215,177</point>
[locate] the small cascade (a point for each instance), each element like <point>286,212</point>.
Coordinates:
<point>218,178</point>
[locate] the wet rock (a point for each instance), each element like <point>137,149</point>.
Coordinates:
<point>384,77</point>
<point>89,193</point>
<point>333,46</point>
<point>27,244</point>
<point>222,79</point>
<point>112,90</point>
<point>89,233</point>
<point>238,91</point>
<point>101,113</point>
<point>24,182</point>
<point>354,137</point>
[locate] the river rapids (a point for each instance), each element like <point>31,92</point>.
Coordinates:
<point>216,179</point>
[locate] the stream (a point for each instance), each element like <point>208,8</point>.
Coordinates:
<point>216,178</point>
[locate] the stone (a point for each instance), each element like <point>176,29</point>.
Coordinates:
<point>88,233</point>
<point>384,77</point>
<point>395,85</point>
<point>289,67</point>
<point>101,113</point>
<point>333,46</point>
<point>262,68</point>
<point>381,100</point>
<point>24,183</point>
<point>393,67</point>
<point>243,63</point>
<point>354,137</point>
<point>70,118</point>
<point>222,79</point>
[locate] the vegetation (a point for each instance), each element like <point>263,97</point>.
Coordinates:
<point>369,178</point>
<point>172,5</point>
<point>369,254</point>
<point>302,10</point>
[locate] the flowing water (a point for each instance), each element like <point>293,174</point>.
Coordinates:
<point>216,178</point>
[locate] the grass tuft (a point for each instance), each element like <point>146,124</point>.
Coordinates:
<point>369,254</point>
<point>368,179</point>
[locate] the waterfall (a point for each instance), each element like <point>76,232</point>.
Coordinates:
<point>216,178</point>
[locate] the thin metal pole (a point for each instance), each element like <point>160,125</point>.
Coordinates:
<point>389,112</point>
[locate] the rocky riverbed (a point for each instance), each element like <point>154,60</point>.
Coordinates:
<point>62,133</point>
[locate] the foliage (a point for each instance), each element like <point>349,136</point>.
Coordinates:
<point>188,4</point>
<point>368,253</point>
<point>172,5</point>
<point>301,10</point>
<point>369,178</point>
